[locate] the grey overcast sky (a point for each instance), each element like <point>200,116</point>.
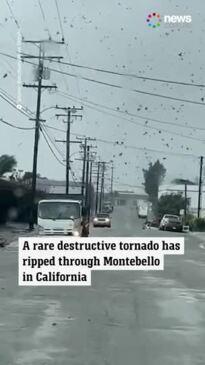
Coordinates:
<point>112,35</point>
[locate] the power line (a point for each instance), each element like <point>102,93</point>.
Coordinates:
<point>43,16</point>
<point>142,125</point>
<point>42,11</point>
<point>12,100</point>
<point>182,83</point>
<point>126,113</point>
<point>55,129</point>
<point>100,111</point>
<point>116,86</point>
<point>146,149</point>
<point>51,141</point>
<point>58,12</point>
<point>168,97</point>
<point>63,131</point>
<point>127,146</point>
<point>130,90</point>
<point>60,22</point>
<point>44,131</point>
<point>51,149</point>
<point>123,118</point>
<point>14,105</point>
<point>13,16</point>
<point>67,50</point>
<point>132,114</point>
<point>14,126</point>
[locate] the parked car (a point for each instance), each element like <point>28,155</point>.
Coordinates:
<point>102,220</point>
<point>142,211</point>
<point>153,223</point>
<point>107,208</point>
<point>171,222</point>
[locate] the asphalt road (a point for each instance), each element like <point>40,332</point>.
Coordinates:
<point>143,318</point>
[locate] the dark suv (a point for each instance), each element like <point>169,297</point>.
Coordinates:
<point>171,222</point>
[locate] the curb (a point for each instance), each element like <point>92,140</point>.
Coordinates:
<point>3,242</point>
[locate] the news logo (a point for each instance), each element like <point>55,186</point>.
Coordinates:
<point>154,20</point>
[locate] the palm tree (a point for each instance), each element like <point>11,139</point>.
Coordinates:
<point>7,163</point>
<point>183,182</point>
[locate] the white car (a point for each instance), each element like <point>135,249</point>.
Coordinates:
<point>142,212</point>
<point>102,220</point>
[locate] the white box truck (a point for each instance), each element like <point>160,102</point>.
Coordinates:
<point>62,217</point>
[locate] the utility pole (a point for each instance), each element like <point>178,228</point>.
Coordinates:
<point>200,186</point>
<point>84,145</point>
<point>69,111</point>
<point>111,183</point>
<point>84,165</point>
<point>91,170</point>
<point>89,186</point>
<point>102,185</point>
<point>67,153</point>
<point>39,86</point>
<point>87,176</point>
<point>97,187</point>
<point>185,195</point>
<point>88,160</point>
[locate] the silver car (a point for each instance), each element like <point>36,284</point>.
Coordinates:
<point>102,220</point>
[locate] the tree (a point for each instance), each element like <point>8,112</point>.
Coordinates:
<point>27,176</point>
<point>7,163</point>
<point>171,204</point>
<point>153,177</point>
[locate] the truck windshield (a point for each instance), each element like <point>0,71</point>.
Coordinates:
<point>58,210</point>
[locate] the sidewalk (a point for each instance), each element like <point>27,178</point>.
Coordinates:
<point>11,231</point>
<point>199,235</point>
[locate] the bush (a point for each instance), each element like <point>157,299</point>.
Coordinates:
<point>195,224</point>
<point>171,204</point>
<point>189,221</point>
<point>199,224</point>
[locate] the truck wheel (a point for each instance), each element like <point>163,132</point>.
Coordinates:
<point>85,232</point>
